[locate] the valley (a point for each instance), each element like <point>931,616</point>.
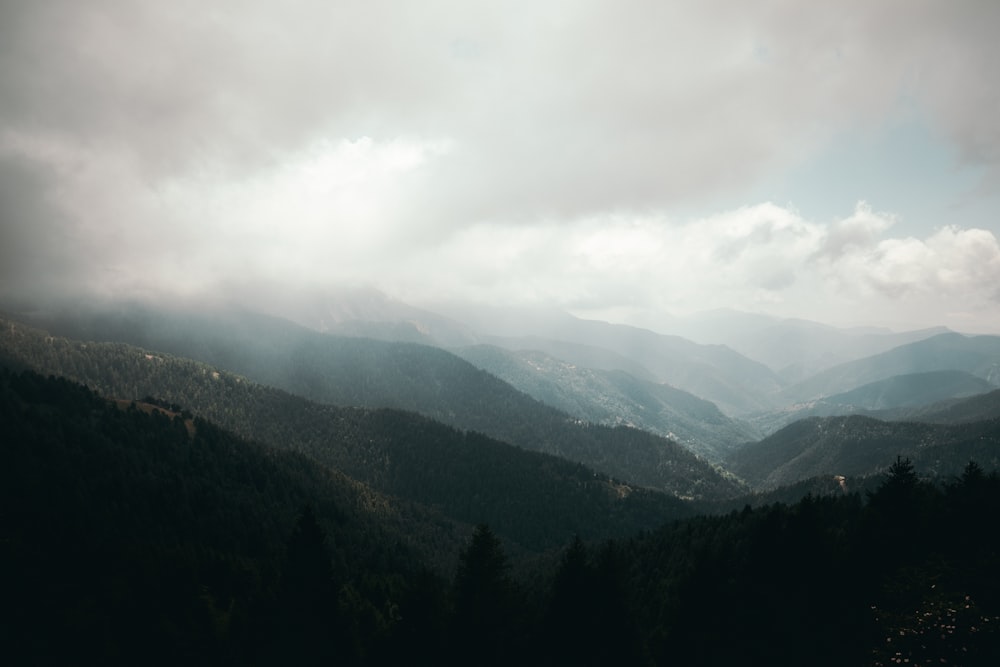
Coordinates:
<point>480,334</point>
<point>657,411</point>
<point>569,459</point>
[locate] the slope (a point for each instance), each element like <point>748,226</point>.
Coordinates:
<point>531,498</point>
<point>978,355</point>
<point>857,445</point>
<point>954,411</point>
<point>614,397</point>
<point>898,398</point>
<point>795,349</point>
<point>124,531</point>
<point>430,381</point>
<point>716,373</point>
<point>913,390</point>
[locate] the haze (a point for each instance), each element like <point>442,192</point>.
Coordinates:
<point>622,161</point>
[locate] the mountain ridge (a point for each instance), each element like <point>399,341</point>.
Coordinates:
<point>978,355</point>
<point>857,445</point>
<point>614,397</point>
<point>423,379</point>
<point>274,416</point>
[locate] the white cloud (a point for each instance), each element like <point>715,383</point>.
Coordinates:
<point>952,263</point>
<point>855,233</point>
<point>763,257</point>
<point>525,151</point>
<point>572,108</point>
<point>327,213</point>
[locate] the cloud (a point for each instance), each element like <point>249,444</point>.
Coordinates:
<point>951,263</point>
<point>855,233</point>
<point>765,257</point>
<point>328,213</point>
<point>570,152</point>
<point>563,109</point>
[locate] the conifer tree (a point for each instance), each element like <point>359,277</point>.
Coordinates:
<point>484,601</point>
<point>308,605</point>
<point>572,626</point>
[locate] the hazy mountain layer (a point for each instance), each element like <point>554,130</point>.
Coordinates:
<point>716,373</point>
<point>955,411</point>
<point>795,349</point>
<point>371,314</point>
<point>366,373</point>
<point>615,397</point>
<point>978,355</point>
<point>913,390</point>
<point>400,453</point>
<point>896,398</point>
<point>857,445</point>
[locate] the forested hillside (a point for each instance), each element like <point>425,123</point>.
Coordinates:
<point>856,446</point>
<point>898,398</point>
<point>956,411</point>
<point>736,384</point>
<point>535,499</point>
<point>716,373</point>
<point>904,575</point>
<point>912,390</point>
<point>795,348</point>
<point>615,397</point>
<point>126,530</point>
<point>367,373</point>
<point>977,355</point>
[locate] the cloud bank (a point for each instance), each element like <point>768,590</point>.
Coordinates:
<point>570,153</point>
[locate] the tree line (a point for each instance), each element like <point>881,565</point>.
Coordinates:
<point>128,538</point>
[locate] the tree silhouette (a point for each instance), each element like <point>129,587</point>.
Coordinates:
<point>484,601</point>
<point>902,477</point>
<point>308,604</point>
<point>900,512</point>
<point>575,628</point>
<point>307,568</point>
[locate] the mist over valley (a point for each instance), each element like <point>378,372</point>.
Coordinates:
<point>451,333</point>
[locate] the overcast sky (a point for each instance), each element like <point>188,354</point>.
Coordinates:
<point>833,161</point>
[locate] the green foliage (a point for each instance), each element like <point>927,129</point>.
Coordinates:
<point>977,408</point>
<point>122,531</point>
<point>613,397</point>
<point>949,351</point>
<point>127,533</point>
<point>824,581</point>
<point>484,622</point>
<point>535,499</point>
<point>417,378</point>
<point>855,446</point>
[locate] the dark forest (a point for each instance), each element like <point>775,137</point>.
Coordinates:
<point>135,533</point>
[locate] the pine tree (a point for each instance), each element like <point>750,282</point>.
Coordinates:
<point>897,499</point>
<point>572,626</point>
<point>484,601</point>
<point>308,604</point>
<point>902,477</point>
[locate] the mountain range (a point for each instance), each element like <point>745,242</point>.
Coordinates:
<point>857,445</point>
<point>376,374</point>
<point>630,403</point>
<point>390,486</point>
<point>615,397</point>
<point>978,355</point>
<point>795,349</point>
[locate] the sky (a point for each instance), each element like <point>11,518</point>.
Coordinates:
<point>626,161</point>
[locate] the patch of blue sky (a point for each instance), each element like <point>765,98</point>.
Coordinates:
<point>903,168</point>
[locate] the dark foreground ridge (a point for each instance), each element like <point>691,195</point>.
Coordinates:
<point>129,538</point>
